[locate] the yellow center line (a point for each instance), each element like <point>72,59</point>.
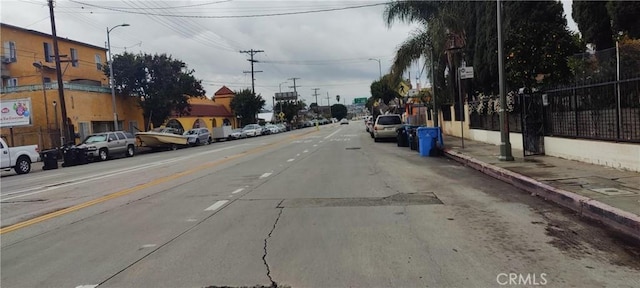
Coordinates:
<point>155,182</point>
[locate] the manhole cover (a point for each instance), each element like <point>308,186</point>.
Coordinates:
<point>611,191</point>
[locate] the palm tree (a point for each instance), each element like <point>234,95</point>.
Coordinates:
<point>440,35</point>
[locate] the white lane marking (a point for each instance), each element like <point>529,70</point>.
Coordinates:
<point>298,155</point>
<point>87,286</point>
<point>149,245</point>
<point>192,220</point>
<point>334,132</point>
<point>291,160</point>
<point>320,141</point>
<point>237,191</point>
<point>305,151</point>
<point>93,177</point>
<point>315,145</point>
<point>265,175</point>
<point>216,205</point>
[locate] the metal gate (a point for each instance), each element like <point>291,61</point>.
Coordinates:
<point>532,123</point>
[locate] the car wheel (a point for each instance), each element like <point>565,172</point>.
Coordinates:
<point>103,154</point>
<point>197,142</point>
<point>23,165</point>
<point>130,151</point>
<point>371,133</point>
<point>209,141</point>
<point>174,147</point>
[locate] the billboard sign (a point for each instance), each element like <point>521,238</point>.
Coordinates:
<point>15,112</point>
<point>284,96</point>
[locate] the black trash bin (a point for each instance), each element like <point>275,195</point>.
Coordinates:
<point>70,156</point>
<point>413,139</point>
<point>402,137</point>
<point>50,159</point>
<point>81,155</point>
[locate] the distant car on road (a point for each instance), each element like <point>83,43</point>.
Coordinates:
<point>273,129</point>
<point>385,126</point>
<point>252,130</point>
<point>105,145</point>
<point>198,136</point>
<point>344,121</point>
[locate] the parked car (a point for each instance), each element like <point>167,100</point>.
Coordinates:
<point>252,130</point>
<point>198,136</point>
<point>385,126</point>
<point>344,121</point>
<point>104,145</point>
<point>272,128</point>
<point>265,130</point>
<point>238,134</point>
<point>19,158</point>
<point>282,127</point>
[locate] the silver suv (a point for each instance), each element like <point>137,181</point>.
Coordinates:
<point>104,145</point>
<point>385,126</point>
<point>198,136</point>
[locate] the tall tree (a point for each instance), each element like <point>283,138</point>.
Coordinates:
<point>593,22</point>
<point>338,111</point>
<point>247,105</point>
<point>290,109</point>
<point>624,17</point>
<point>161,84</point>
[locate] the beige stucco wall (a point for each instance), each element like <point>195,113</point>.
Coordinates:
<point>616,155</point>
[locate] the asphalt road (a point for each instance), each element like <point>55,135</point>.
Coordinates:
<point>306,208</point>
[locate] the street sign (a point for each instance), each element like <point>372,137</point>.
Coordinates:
<point>283,96</point>
<point>362,100</point>
<point>281,115</point>
<point>465,72</point>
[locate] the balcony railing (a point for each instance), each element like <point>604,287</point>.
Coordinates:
<point>53,86</point>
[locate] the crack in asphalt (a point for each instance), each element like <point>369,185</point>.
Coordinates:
<point>264,256</point>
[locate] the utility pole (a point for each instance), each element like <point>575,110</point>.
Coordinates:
<point>315,93</point>
<point>63,107</point>
<point>253,78</point>
<point>294,83</point>
<point>505,145</point>
<point>329,104</point>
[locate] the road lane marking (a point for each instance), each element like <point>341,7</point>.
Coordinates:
<point>315,145</point>
<point>334,132</point>
<point>265,175</point>
<point>291,160</point>
<point>192,220</point>
<point>237,191</point>
<point>149,245</point>
<point>87,286</point>
<point>298,155</point>
<point>140,187</point>
<point>93,177</point>
<point>216,205</point>
<point>305,151</point>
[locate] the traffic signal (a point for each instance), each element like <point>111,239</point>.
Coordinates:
<point>338,98</point>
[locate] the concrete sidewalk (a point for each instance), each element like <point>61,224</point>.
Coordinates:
<point>605,194</point>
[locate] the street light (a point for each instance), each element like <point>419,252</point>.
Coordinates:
<point>379,66</point>
<point>111,82</point>
<point>280,85</point>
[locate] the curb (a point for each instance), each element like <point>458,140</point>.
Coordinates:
<point>620,220</point>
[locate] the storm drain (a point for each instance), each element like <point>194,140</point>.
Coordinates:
<point>400,199</point>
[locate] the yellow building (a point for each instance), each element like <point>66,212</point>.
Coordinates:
<point>205,112</point>
<point>28,66</point>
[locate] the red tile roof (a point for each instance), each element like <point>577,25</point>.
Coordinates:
<point>224,91</point>
<point>205,110</point>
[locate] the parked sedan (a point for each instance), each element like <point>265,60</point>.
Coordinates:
<point>272,128</point>
<point>238,134</point>
<point>252,130</point>
<point>282,127</point>
<point>344,121</point>
<point>198,136</point>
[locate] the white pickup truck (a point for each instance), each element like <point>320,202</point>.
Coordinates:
<point>18,158</point>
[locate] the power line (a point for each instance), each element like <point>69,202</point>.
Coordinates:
<point>170,7</point>
<point>234,16</point>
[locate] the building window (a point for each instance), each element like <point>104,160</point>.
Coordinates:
<point>12,82</point>
<point>10,54</point>
<point>48,52</point>
<point>98,62</point>
<point>74,57</point>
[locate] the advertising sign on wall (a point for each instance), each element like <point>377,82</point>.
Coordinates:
<point>15,112</point>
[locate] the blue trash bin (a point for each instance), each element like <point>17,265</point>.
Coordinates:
<point>425,141</point>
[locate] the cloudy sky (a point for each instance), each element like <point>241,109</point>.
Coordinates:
<point>328,50</point>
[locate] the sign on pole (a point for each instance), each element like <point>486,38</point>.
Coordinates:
<point>362,100</point>
<point>465,72</point>
<point>16,112</point>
